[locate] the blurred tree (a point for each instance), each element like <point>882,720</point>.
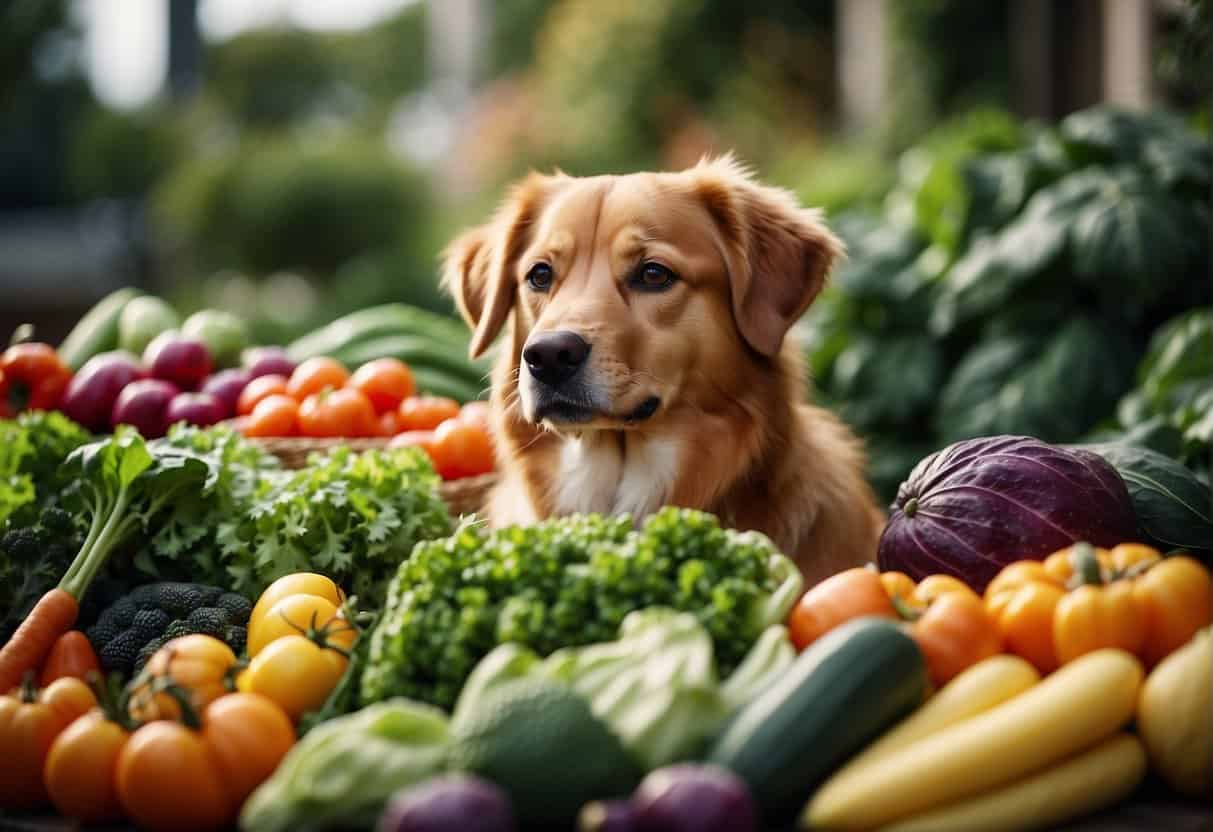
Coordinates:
<point>122,154</point>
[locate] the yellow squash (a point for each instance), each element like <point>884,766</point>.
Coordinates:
<point>1080,704</point>
<point>1175,717</point>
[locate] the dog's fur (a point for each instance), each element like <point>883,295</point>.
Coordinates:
<point>731,434</point>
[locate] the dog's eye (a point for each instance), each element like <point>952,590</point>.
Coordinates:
<point>539,277</point>
<point>653,277</point>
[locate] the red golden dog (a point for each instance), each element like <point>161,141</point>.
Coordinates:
<point>645,363</point>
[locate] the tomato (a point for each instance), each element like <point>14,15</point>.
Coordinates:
<point>423,439</point>
<point>29,723</point>
<point>343,412</point>
<point>385,381</point>
<point>462,449</point>
<point>276,415</point>
<point>247,735</point>
<point>478,413</point>
<point>426,412</point>
<point>389,423</point>
<point>297,614</point>
<point>71,655</point>
<point>79,772</point>
<point>32,377</point>
<point>259,388</point>
<point>201,665</point>
<point>296,673</point>
<point>315,375</point>
<point>849,594</point>
<point>166,780</point>
<point>298,583</point>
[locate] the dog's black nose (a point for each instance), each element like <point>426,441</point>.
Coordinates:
<point>553,357</point>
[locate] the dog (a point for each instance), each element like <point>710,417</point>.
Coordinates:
<point>644,360</point>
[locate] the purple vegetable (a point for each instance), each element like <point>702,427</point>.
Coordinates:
<point>268,361</point>
<point>608,816</point>
<point>226,386</point>
<point>90,396</point>
<point>200,409</point>
<point>144,404</point>
<point>461,802</point>
<point>173,357</point>
<point>977,505</point>
<point>694,798</point>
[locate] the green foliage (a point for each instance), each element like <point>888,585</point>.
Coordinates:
<point>1024,269</point>
<point>32,449</point>
<point>122,154</point>
<point>567,582</point>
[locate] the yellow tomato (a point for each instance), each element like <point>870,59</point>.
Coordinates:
<point>294,672</point>
<point>296,615</point>
<point>300,583</point>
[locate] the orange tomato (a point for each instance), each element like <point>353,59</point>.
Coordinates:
<point>201,665</point>
<point>385,381</point>
<point>29,722</point>
<point>166,780</point>
<point>426,412</point>
<point>389,423</point>
<point>423,439</point>
<point>462,449</point>
<point>248,735</point>
<point>259,388</point>
<point>345,412</point>
<point>315,375</point>
<point>276,415</point>
<point>80,767</point>
<point>836,600</point>
<point>954,633</point>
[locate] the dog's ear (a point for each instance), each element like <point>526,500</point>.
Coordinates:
<point>780,253</point>
<point>478,266</point>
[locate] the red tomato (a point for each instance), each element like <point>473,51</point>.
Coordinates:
<point>258,389</point>
<point>462,449</point>
<point>316,374</point>
<point>426,412</point>
<point>423,439</point>
<point>276,415</point>
<point>344,412</point>
<point>385,381</point>
<point>389,423</point>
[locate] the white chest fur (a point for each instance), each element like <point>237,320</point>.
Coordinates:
<point>600,474</point>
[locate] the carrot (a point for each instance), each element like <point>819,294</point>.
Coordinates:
<point>51,617</point>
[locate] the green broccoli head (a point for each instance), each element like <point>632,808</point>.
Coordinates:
<point>561,583</point>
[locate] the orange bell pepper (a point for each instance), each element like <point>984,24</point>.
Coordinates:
<point>1081,599</point>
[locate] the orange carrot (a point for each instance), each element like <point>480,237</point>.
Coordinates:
<point>51,617</point>
<point>72,655</point>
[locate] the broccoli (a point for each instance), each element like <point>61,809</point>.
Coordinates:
<point>568,582</point>
<point>134,627</point>
<point>32,561</point>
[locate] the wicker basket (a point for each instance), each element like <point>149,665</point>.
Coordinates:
<point>463,496</point>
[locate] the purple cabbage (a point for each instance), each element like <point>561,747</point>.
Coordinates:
<point>980,504</point>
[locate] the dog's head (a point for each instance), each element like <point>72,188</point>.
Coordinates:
<point>630,291</point>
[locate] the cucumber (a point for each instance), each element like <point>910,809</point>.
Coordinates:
<point>439,384</point>
<point>388,319</point>
<point>839,694</point>
<point>97,331</point>
<point>416,351</point>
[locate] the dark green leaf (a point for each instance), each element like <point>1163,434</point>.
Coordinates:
<point>887,379</point>
<point>1179,352</point>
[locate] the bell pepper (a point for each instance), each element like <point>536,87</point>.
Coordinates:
<point>943,615</point>
<point>32,377</point>
<point>1082,599</point>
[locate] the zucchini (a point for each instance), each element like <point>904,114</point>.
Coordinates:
<point>978,689</point>
<point>835,698</point>
<point>376,321</point>
<point>1082,703</point>
<point>97,331</point>
<point>1099,777</point>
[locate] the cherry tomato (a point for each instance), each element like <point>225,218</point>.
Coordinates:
<point>344,412</point>
<point>276,415</point>
<point>316,374</point>
<point>426,412</point>
<point>385,381</point>
<point>423,439</point>
<point>477,413</point>
<point>462,449</point>
<point>258,389</point>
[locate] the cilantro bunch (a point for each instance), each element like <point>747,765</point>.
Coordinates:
<point>568,582</point>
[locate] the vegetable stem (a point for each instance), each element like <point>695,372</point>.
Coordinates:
<point>84,568</point>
